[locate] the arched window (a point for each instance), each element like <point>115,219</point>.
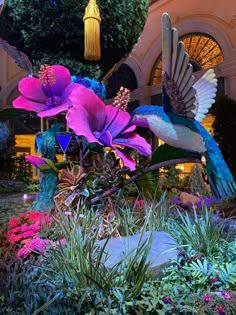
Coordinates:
<point>203,50</point>
<point>123,76</point>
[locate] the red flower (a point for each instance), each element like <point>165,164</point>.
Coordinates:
<point>166,300</point>
<point>207,298</point>
<point>213,281</point>
<point>13,222</point>
<point>139,203</point>
<point>220,309</point>
<point>22,229</point>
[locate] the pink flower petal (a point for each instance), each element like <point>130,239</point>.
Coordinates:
<point>74,92</point>
<point>120,121</point>
<point>38,244</point>
<point>23,252</point>
<point>28,234</point>
<point>95,112</point>
<point>63,79</point>
<point>22,102</point>
<point>35,160</point>
<point>134,141</point>
<point>106,138</point>
<point>55,110</point>
<point>81,122</point>
<point>126,159</point>
<point>13,222</point>
<point>31,88</point>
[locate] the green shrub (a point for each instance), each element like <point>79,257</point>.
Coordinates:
<point>197,184</point>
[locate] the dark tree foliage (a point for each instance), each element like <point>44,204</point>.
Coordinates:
<point>224,128</point>
<point>52,31</point>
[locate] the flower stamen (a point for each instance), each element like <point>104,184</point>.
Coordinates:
<point>120,102</point>
<point>47,75</point>
<point>122,98</point>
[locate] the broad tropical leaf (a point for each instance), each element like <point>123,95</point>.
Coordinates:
<point>166,152</point>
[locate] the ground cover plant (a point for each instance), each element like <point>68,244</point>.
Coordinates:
<point>71,277</point>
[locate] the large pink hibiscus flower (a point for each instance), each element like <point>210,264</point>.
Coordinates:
<point>104,124</point>
<point>49,94</point>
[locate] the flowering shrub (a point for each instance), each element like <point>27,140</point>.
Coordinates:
<point>225,298</point>
<point>29,218</point>
<point>24,230</point>
<point>35,244</point>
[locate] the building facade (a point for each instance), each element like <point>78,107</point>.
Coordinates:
<point>206,26</point>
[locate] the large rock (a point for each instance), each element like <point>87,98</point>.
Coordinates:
<point>163,248</point>
<point>188,200</point>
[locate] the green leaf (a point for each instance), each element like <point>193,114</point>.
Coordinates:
<point>45,169</point>
<point>166,152</point>
<point>94,147</point>
<point>62,165</point>
<point>9,113</point>
<point>147,184</point>
<point>85,193</point>
<point>51,164</point>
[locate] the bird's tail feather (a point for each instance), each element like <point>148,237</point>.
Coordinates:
<point>220,178</point>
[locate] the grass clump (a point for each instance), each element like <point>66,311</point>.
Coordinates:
<point>73,277</point>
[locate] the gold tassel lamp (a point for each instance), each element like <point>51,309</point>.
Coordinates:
<point>92,20</point>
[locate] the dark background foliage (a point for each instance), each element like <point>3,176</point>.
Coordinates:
<point>53,31</point>
<point>224,128</point>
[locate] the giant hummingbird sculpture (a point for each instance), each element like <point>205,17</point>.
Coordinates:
<point>185,104</point>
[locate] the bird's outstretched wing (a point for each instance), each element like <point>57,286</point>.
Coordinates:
<point>18,56</point>
<point>206,88</point>
<point>180,94</point>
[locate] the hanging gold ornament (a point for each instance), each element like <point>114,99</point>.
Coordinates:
<point>92,20</point>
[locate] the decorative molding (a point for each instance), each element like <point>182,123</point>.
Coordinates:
<point>232,22</point>
<point>158,4</point>
<point>199,17</point>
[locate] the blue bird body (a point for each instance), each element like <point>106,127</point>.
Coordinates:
<point>191,136</point>
<point>185,104</point>
<point>171,128</point>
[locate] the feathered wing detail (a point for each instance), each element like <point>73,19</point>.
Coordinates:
<point>177,78</point>
<point>18,56</point>
<point>206,88</point>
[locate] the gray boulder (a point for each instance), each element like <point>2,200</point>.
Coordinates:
<point>163,248</point>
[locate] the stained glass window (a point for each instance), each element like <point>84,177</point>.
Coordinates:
<point>203,50</point>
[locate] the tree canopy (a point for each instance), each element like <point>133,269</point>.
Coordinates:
<point>52,31</point>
